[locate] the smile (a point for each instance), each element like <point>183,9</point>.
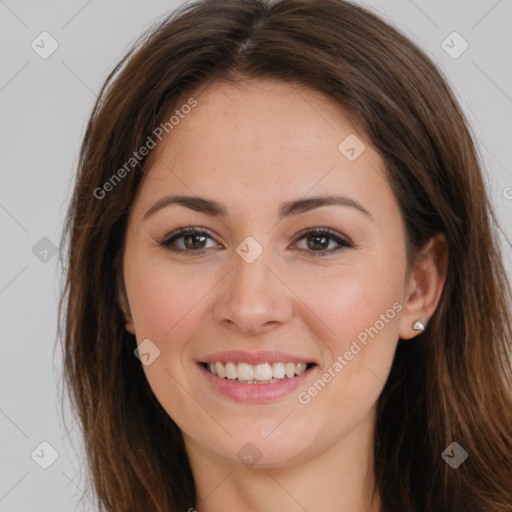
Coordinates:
<point>265,373</point>
<point>256,377</point>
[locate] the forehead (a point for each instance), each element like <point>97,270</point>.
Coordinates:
<point>267,140</point>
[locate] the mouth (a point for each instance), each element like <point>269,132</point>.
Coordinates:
<point>255,378</point>
<point>263,373</point>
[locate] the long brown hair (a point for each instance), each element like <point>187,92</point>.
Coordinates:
<point>452,383</point>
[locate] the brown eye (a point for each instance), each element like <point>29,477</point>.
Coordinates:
<point>318,240</point>
<point>194,240</point>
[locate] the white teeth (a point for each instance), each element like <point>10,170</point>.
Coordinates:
<point>300,368</point>
<point>256,374</point>
<point>278,370</point>
<point>245,371</point>
<point>220,370</point>
<point>290,370</point>
<point>263,372</point>
<point>231,372</point>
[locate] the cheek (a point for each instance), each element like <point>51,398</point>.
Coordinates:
<point>162,299</point>
<point>358,304</point>
<point>360,324</point>
<point>166,305</point>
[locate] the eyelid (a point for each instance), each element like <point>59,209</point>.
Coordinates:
<point>328,231</point>
<point>343,241</point>
<point>185,231</point>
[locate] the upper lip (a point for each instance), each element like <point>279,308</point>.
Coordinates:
<point>239,356</point>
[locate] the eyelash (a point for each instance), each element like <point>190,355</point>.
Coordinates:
<point>167,242</point>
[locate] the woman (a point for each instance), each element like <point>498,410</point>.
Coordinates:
<point>285,288</point>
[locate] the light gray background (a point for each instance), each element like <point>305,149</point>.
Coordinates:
<point>45,104</point>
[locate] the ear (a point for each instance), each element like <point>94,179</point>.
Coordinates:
<point>123,304</point>
<point>122,300</point>
<point>424,285</point>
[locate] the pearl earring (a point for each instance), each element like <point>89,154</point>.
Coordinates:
<point>418,325</point>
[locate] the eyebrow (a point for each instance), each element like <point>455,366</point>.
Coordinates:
<point>215,209</point>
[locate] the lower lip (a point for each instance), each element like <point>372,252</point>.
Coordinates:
<point>255,392</point>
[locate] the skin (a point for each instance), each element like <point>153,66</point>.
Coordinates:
<point>252,147</point>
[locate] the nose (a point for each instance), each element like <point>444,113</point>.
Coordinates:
<point>253,298</point>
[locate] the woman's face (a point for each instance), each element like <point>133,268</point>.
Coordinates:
<point>254,293</point>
